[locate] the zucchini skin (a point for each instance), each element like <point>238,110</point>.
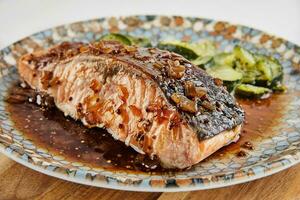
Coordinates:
<point>204,62</point>
<point>264,72</point>
<point>225,59</point>
<point>251,91</point>
<point>117,37</point>
<point>228,75</point>
<point>190,51</point>
<point>179,49</point>
<point>230,85</point>
<point>139,41</point>
<point>244,56</point>
<point>127,39</point>
<point>271,72</point>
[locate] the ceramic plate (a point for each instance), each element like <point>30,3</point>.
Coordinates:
<point>272,153</point>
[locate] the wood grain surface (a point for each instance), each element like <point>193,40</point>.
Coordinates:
<point>19,182</point>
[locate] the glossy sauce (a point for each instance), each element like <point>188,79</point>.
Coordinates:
<point>50,129</point>
<point>260,117</point>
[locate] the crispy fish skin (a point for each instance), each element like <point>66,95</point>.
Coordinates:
<point>155,101</point>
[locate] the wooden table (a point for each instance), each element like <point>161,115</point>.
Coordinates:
<point>18,182</point>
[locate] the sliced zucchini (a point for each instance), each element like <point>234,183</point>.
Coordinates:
<point>117,37</point>
<point>127,39</point>
<point>204,48</point>
<point>228,75</point>
<point>277,73</point>
<point>249,76</point>
<point>139,41</point>
<point>276,67</point>
<point>266,72</point>
<point>224,59</point>
<point>188,50</point>
<point>251,91</point>
<point>245,57</point>
<point>279,88</point>
<point>225,73</point>
<point>181,48</point>
<point>201,61</point>
<point>271,72</point>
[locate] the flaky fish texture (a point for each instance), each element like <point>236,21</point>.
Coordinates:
<point>156,101</point>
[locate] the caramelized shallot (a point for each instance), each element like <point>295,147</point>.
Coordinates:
<point>184,103</point>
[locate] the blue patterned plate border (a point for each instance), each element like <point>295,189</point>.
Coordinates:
<point>273,153</point>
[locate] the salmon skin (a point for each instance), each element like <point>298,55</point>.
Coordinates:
<point>155,101</point>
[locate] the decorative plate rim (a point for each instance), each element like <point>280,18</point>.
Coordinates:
<point>72,179</point>
<point>149,188</point>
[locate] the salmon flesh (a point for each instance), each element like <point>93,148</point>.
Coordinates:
<point>155,101</point>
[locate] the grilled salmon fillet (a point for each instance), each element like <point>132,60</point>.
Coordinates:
<point>155,101</point>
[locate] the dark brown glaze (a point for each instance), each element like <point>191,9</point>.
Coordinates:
<point>50,129</point>
<point>260,117</point>
<point>202,101</point>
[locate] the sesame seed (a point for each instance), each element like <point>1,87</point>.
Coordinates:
<point>38,100</point>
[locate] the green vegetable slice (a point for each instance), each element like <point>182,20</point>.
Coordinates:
<point>279,88</point>
<point>229,76</point>
<point>204,48</point>
<point>251,91</point>
<point>139,41</point>
<point>181,48</point>
<point>127,39</point>
<point>225,59</point>
<point>271,71</point>
<point>266,71</point>
<point>202,60</point>
<point>245,57</point>
<point>190,51</point>
<point>225,73</point>
<point>249,77</point>
<point>117,37</point>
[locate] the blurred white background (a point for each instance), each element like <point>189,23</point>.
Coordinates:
<point>19,18</point>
